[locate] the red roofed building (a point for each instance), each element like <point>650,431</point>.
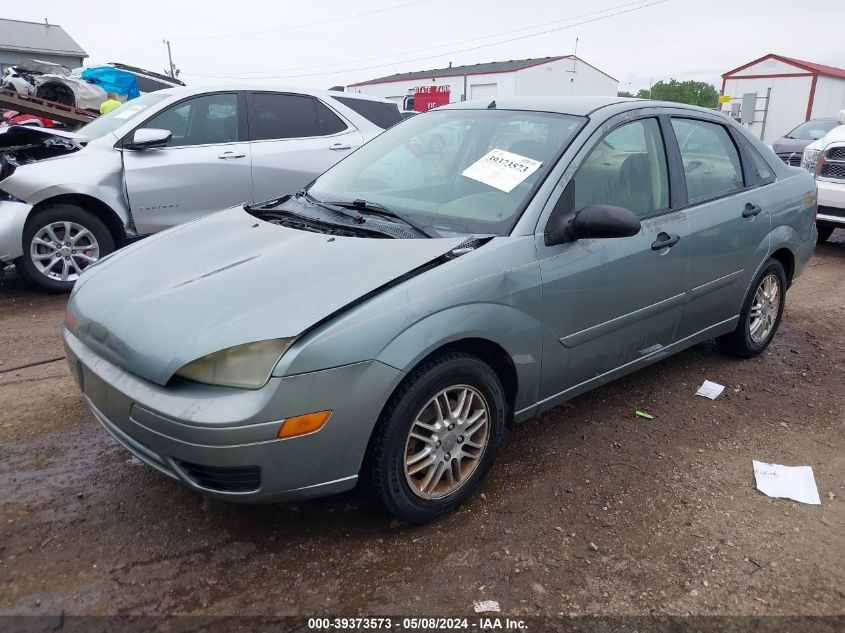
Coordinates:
<point>797,91</point>
<point>540,76</point>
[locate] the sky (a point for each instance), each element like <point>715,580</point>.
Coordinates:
<point>325,43</point>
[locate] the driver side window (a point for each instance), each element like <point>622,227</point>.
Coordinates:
<point>627,168</point>
<point>206,120</point>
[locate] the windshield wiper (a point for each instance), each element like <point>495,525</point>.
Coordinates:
<point>331,206</point>
<point>379,209</point>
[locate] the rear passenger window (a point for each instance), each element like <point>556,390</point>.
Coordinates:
<point>379,113</point>
<point>328,121</point>
<point>626,169</point>
<point>280,116</point>
<point>711,161</point>
<point>764,172</point>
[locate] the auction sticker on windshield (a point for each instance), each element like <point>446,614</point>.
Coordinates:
<point>502,170</point>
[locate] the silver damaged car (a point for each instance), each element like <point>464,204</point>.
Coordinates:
<point>387,324</point>
<point>68,199</point>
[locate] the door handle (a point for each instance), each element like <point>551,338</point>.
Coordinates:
<point>230,154</point>
<point>664,240</point>
<point>338,146</point>
<point>751,210</point>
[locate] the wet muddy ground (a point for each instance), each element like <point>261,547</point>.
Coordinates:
<point>589,510</point>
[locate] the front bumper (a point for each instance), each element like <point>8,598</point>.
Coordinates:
<point>831,202</point>
<point>222,441</point>
<point>12,218</point>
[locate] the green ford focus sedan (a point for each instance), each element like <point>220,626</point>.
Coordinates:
<point>386,324</point>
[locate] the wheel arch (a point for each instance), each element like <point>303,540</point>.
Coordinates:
<point>93,205</point>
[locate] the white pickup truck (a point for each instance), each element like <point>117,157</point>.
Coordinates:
<point>825,159</point>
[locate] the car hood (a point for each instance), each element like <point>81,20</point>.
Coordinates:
<point>22,144</point>
<point>789,145</point>
<point>226,280</point>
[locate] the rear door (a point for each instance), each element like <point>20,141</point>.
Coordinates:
<point>611,303</point>
<point>204,168</point>
<point>728,207</point>
<point>294,139</point>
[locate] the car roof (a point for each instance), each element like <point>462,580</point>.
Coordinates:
<point>188,91</point>
<point>578,106</point>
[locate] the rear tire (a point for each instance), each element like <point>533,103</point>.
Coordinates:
<point>447,419</point>
<point>761,313</point>
<point>59,243</point>
<point>825,231</point>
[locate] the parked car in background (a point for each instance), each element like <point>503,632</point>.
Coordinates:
<point>389,331</point>
<point>825,159</point>
<point>790,146</point>
<point>68,199</point>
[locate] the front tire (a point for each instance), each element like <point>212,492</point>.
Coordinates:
<point>761,313</point>
<point>437,437</point>
<point>60,242</point>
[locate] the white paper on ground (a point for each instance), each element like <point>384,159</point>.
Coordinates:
<point>710,390</point>
<point>502,170</point>
<point>486,606</point>
<point>787,482</point>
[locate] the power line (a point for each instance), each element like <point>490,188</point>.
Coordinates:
<point>430,48</point>
<point>300,26</point>
<point>442,54</point>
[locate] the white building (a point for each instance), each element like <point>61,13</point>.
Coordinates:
<point>788,92</point>
<point>562,75</point>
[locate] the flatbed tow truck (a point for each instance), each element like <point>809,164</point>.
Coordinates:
<point>71,117</point>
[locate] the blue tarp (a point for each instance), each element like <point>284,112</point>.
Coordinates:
<point>113,80</point>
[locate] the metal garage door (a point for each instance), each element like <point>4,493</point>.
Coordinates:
<point>479,91</point>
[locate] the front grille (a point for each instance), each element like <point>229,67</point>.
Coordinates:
<point>223,479</point>
<point>836,153</point>
<point>793,159</point>
<point>831,170</point>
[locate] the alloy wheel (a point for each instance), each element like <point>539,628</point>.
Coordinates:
<point>62,250</point>
<point>446,442</point>
<point>764,309</point>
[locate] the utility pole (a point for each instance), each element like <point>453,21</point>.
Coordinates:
<point>573,71</point>
<point>172,72</point>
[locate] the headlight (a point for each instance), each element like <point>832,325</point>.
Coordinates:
<point>246,366</point>
<point>810,159</point>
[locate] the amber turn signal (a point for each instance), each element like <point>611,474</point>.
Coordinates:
<point>302,424</point>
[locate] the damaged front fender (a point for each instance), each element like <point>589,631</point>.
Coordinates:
<point>22,144</point>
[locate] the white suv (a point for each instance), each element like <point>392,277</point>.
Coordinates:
<point>825,159</point>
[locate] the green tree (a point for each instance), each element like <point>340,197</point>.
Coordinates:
<point>624,93</point>
<point>698,93</point>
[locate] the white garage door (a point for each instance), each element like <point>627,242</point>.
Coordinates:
<point>479,91</point>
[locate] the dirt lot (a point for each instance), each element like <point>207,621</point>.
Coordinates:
<point>589,510</point>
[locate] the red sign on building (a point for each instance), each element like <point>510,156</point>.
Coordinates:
<point>428,97</point>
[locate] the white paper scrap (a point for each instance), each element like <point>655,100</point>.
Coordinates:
<point>787,482</point>
<point>128,112</point>
<point>486,606</point>
<point>710,390</point>
<point>502,170</point>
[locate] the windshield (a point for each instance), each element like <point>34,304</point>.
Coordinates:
<point>812,130</point>
<point>109,122</point>
<point>465,171</point>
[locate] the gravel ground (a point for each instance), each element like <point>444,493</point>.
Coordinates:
<point>590,510</point>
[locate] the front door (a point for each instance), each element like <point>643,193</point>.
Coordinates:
<point>206,166</point>
<point>294,139</point>
<point>609,303</point>
<point>730,218</point>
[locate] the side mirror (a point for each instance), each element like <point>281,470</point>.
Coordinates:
<point>149,138</point>
<point>597,221</point>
